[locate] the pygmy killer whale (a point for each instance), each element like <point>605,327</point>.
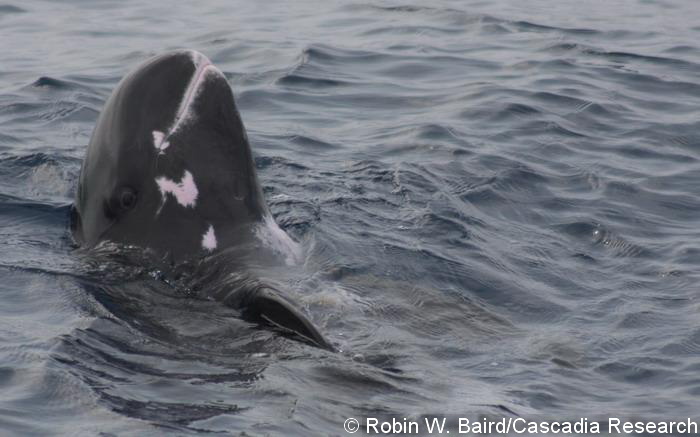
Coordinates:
<point>169,169</point>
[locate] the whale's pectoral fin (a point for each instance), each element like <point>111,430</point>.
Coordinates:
<point>268,305</point>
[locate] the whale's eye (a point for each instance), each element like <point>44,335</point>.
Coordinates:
<point>122,200</point>
<point>127,198</point>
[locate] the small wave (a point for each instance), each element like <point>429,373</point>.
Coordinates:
<point>324,54</point>
<point>602,237</point>
<point>297,80</point>
<point>628,56</point>
<point>527,26</point>
<point>11,9</point>
<point>634,373</point>
<point>50,82</point>
<point>42,176</point>
<point>262,162</point>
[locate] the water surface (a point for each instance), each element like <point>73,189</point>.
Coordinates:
<point>497,202</point>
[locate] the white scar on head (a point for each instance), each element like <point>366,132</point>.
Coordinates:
<point>159,141</point>
<point>209,239</point>
<point>272,236</point>
<point>203,70</point>
<point>185,191</point>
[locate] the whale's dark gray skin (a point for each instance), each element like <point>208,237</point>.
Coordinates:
<point>169,168</point>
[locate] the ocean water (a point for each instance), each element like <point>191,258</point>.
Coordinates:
<point>497,204</point>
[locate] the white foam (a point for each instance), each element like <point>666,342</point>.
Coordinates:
<point>185,191</point>
<point>209,239</point>
<point>273,237</point>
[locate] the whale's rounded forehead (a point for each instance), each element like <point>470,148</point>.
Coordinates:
<point>192,57</point>
<point>156,95</point>
<point>168,71</point>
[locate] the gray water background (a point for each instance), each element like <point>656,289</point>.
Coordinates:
<point>497,201</point>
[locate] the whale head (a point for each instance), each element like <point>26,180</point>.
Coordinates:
<point>169,166</point>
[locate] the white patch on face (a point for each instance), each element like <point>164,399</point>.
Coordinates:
<point>209,239</point>
<point>185,191</point>
<point>273,237</point>
<point>159,141</point>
